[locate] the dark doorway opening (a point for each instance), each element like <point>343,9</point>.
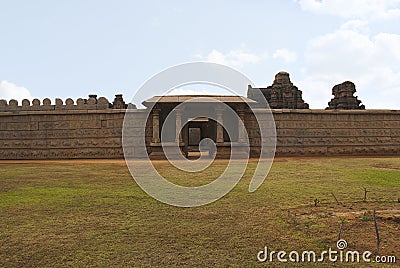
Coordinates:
<point>194,136</point>
<point>199,129</point>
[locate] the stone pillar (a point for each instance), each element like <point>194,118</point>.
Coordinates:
<point>156,126</point>
<point>178,125</point>
<point>241,130</point>
<point>220,129</point>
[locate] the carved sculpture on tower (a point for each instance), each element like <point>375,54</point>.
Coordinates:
<point>344,98</point>
<point>119,102</point>
<point>282,94</point>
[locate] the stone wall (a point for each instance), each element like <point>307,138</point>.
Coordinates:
<point>81,104</point>
<point>85,128</point>
<point>321,132</point>
<point>88,132</point>
<point>61,135</point>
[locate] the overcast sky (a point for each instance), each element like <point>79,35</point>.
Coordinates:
<point>74,48</point>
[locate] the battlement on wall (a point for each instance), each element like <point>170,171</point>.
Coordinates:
<point>93,127</point>
<point>91,103</point>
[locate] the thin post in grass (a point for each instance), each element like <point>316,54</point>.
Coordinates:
<point>342,222</point>
<point>378,239</point>
<point>337,201</point>
<point>340,230</point>
<point>365,194</point>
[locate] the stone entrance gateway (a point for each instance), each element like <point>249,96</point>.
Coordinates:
<point>197,128</point>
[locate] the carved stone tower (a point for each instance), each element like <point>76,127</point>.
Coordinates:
<point>344,98</point>
<point>282,94</point>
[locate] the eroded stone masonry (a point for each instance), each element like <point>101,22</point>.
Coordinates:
<point>344,97</point>
<point>92,127</point>
<point>281,94</point>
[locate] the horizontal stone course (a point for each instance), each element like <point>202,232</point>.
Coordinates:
<point>318,132</point>
<point>97,133</point>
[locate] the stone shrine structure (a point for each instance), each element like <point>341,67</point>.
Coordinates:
<point>197,128</point>
<point>92,128</point>
<point>281,95</point>
<point>344,97</point>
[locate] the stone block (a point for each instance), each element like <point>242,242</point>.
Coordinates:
<point>46,102</point>
<point>80,103</point>
<point>103,103</point>
<point>69,102</point>
<point>59,102</point>
<point>91,101</point>
<point>36,102</point>
<point>3,105</point>
<point>13,103</point>
<point>26,103</point>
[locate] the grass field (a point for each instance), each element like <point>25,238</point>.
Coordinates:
<point>92,213</point>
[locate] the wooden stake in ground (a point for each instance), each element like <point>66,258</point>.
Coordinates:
<point>378,239</point>
<point>340,230</point>
<point>337,201</point>
<point>365,195</point>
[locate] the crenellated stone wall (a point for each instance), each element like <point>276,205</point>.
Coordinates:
<point>92,128</point>
<point>60,134</point>
<point>332,132</point>
<point>85,128</point>
<point>81,104</point>
<point>92,103</point>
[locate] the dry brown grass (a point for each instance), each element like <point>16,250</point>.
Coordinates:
<point>92,213</point>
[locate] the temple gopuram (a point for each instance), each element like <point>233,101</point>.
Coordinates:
<point>344,98</point>
<point>282,94</point>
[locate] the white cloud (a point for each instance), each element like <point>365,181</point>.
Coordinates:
<point>233,58</point>
<point>356,25</point>
<point>370,61</point>
<point>285,54</point>
<point>379,9</point>
<point>9,91</point>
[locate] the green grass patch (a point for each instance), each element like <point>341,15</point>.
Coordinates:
<point>89,213</point>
